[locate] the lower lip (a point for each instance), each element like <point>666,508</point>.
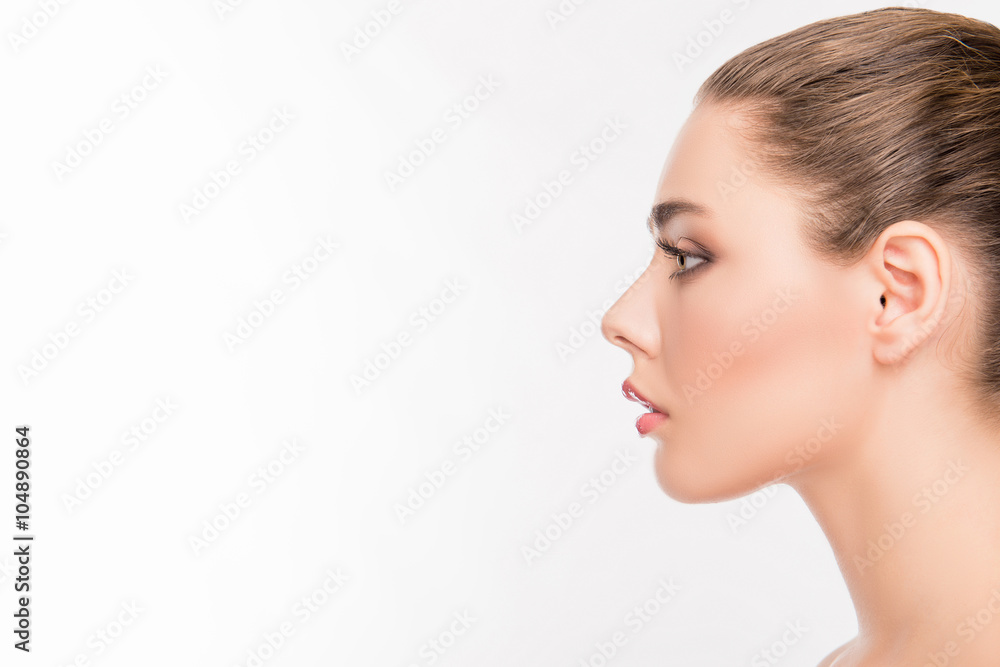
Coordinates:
<point>649,421</point>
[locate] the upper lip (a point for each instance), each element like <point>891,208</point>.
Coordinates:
<point>633,395</point>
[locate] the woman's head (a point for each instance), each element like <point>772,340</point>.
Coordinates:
<point>848,180</point>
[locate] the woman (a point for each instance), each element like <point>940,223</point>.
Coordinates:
<point>825,313</point>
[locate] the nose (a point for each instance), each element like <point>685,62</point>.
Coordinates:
<point>631,322</point>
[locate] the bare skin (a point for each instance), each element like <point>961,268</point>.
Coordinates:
<point>776,366</point>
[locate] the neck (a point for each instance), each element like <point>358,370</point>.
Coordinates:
<point>911,508</point>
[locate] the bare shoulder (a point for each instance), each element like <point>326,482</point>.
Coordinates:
<point>829,660</point>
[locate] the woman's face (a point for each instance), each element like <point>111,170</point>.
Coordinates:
<point>757,355</point>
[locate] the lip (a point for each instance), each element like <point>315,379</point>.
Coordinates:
<point>630,392</point>
<point>649,422</point>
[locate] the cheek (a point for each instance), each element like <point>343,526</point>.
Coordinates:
<point>753,376</point>
<point>725,341</point>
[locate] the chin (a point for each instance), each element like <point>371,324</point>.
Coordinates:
<point>685,488</point>
<point>696,486</point>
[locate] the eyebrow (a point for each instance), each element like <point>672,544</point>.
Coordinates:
<point>663,212</point>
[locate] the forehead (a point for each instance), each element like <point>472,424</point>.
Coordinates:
<point>707,159</point>
<point>710,166</point>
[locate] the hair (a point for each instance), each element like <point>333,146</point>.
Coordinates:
<point>879,117</point>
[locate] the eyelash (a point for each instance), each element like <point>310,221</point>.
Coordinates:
<point>674,251</point>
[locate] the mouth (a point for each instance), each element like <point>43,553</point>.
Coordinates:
<point>630,392</point>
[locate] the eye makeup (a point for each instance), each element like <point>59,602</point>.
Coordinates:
<point>674,251</point>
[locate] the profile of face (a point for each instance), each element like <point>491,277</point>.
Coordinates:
<point>754,347</point>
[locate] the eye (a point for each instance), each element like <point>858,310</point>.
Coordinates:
<point>682,257</point>
<point>684,260</point>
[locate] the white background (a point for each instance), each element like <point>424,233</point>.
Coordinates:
<point>124,537</point>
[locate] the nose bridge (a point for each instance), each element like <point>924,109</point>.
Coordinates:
<point>631,321</point>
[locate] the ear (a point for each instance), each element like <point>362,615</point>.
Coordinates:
<point>911,265</point>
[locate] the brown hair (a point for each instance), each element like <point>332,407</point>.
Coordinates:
<point>884,116</point>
